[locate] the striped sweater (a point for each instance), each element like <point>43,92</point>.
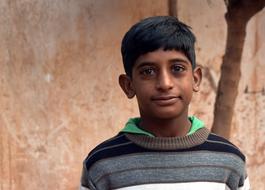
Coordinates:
<point>201,161</point>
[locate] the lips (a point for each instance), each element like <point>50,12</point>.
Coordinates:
<point>165,100</point>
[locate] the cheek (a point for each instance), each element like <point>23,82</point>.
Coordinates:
<point>143,94</point>
<point>187,90</point>
<point>143,88</point>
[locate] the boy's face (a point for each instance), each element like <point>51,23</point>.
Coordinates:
<point>163,82</point>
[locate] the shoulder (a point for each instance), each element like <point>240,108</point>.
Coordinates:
<point>217,143</point>
<point>112,147</point>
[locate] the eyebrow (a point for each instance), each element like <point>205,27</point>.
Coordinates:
<point>150,63</point>
<point>147,63</point>
<point>179,60</point>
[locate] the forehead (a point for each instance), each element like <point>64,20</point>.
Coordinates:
<point>162,56</point>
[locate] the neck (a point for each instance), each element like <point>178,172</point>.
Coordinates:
<point>172,127</point>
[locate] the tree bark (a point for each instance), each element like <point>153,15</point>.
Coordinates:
<point>238,14</point>
<point>172,8</point>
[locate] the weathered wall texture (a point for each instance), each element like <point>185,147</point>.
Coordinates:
<point>249,122</point>
<point>59,93</point>
<point>206,18</point>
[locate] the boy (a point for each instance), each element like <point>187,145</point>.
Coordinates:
<point>164,148</point>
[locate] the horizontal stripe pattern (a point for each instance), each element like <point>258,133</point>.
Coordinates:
<point>168,168</point>
<point>133,161</point>
<point>179,186</point>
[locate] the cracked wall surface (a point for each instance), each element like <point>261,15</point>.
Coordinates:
<point>59,97</point>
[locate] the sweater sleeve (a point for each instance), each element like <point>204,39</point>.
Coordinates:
<point>86,183</point>
<point>246,185</point>
<point>83,188</point>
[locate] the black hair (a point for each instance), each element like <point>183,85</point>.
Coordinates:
<point>153,33</point>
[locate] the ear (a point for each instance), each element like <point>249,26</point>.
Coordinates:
<point>126,85</point>
<point>197,78</point>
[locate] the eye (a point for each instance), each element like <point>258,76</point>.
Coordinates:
<point>148,71</point>
<point>177,68</point>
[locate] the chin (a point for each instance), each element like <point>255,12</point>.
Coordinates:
<point>167,115</point>
<point>167,112</point>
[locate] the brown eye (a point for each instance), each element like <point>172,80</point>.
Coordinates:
<point>148,71</point>
<point>177,68</point>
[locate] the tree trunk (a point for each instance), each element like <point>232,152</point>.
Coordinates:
<point>238,14</point>
<point>230,76</point>
<point>172,8</point>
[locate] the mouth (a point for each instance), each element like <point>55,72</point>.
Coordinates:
<point>165,100</point>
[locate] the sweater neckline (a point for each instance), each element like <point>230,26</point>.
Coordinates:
<point>132,126</point>
<point>170,143</point>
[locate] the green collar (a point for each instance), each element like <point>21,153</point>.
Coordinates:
<point>132,126</point>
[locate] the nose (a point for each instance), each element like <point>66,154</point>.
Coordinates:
<point>164,81</point>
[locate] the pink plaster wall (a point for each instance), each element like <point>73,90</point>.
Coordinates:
<point>59,92</point>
